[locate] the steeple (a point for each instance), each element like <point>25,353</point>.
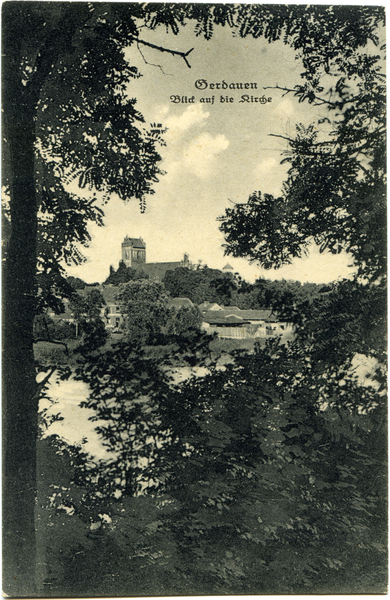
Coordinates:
<point>133,252</point>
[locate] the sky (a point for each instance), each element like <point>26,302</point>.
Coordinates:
<point>216,154</point>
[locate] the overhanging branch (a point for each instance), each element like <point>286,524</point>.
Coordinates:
<point>318,101</point>
<point>183,55</point>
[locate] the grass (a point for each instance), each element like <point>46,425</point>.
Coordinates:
<point>47,353</point>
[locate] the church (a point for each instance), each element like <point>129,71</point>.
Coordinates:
<point>134,256</point>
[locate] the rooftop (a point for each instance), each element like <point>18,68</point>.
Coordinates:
<point>180,302</point>
<point>134,242</point>
<point>214,318</point>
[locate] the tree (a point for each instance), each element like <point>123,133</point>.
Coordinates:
<point>200,285</point>
<point>184,321</point>
<point>335,194</point>
<point>88,307</point>
<point>76,283</point>
<point>46,329</point>
<point>255,486</point>
<point>87,313</point>
<point>260,477</point>
<point>224,286</point>
<point>64,63</point>
<point>123,274</point>
<point>146,309</point>
<point>335,191</point>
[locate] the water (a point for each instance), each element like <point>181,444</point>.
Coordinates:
<point>77,428</point>
<point>65,398</point>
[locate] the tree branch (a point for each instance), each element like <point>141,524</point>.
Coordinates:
<point>151,64</point>
<point>298,91</point>
<point>161,49</point>
<point>44,381</point>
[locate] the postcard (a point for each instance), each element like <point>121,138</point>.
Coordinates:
<point>194,307</point>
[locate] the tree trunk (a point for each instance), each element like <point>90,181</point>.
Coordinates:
<point>21,92</point>
<point>20,403</point>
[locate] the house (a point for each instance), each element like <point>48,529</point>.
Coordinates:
<point>209,306</point>
<point>111,313</point>
<point>256,323</point>
<point>225,327</point>
<point>180,303</point>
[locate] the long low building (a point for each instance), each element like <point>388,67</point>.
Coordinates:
<point>227,327</point>
<point>232,322</point>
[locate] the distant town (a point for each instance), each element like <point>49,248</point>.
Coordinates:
<point>229,306</point>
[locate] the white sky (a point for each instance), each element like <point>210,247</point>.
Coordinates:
<point>216,154</point>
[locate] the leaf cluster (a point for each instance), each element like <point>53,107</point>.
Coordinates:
<point>200,285</point>
<point>335,193</point>
<point>123,274</point>
<point>257,469</point>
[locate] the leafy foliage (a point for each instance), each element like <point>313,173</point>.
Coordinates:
<point>87,307</point>
<point>86,311</point>
<point>335,191</point>
<point>265,293</point>
<point>200,285</point>
<point>47,329</point>
<point>259,477</point>
<point>347,319</point>
<point>76,283</point>
<point>145,304</point>
<point>184,320</point>
<point>263,477</point>
<point>87,127</point>
<point>212,285</point>
<point>123,274</point>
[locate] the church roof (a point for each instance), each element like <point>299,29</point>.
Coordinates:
<point>134,242</point>
<point>227,267</point>
<point>156,271</point>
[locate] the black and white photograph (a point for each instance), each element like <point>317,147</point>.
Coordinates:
<point>194,246</point>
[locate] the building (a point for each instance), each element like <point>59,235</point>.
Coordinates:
<point>134,256</point>
<point>133,252</point>
<point>180,303</point>
<point>224,326</point>
<point>228,268</point>
<point>233,322</point>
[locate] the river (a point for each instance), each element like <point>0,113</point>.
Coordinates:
<point>77,428</point>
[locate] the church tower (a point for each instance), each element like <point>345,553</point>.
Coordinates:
<point>133,252</point>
